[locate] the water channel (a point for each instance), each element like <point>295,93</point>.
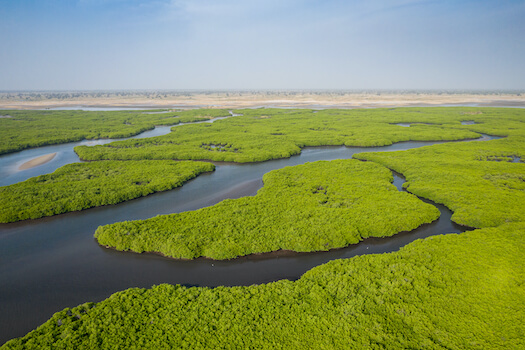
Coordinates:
<point>9,163</point>
<point>53,263</point>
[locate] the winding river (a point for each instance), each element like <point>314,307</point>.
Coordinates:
<point>53,263</point>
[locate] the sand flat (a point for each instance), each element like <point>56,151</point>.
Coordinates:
<point>249,99</point>
<point>37,161</point>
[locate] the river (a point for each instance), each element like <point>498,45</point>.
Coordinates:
<point>53,263</point>
<point>9,163</point>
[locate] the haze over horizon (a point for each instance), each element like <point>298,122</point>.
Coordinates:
<point>236,45</point>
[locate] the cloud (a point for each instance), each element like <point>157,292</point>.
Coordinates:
<point>268,44</point>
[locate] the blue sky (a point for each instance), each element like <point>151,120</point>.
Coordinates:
<point>261,44</point>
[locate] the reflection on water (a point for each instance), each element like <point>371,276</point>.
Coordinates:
<point>53,263</point>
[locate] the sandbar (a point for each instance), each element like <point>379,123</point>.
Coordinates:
<point>37,161</point>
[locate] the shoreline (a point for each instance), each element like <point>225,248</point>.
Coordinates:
<point>322,100</point>
<point>37,161</point>
<point>282,253</point>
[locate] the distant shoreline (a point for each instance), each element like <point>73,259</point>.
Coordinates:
<point>37,161</point>
<point>233,100</point>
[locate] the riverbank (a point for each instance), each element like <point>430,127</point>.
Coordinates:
<point>37,161</point>
<point>337,303</point>
<point>80,186</point>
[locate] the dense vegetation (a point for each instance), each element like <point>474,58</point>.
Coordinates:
<point>85,185</point>
<point>445,292</point>
<point>24,129</point>
<point>316,206</point>
<point>263,134</point>
<point>478,181</point>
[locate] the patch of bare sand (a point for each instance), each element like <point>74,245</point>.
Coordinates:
<point>298,99</point>
<point>37,161</point>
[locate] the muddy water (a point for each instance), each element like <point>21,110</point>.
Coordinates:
<point>53,263</point>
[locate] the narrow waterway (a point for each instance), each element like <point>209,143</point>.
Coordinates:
<point>65,154</point>
<point>53,263</point>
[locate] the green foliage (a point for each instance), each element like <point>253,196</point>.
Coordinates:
<point>445,292</point>
<point>263,134</point>
<point>316,206</point>
<point>476,180</point>
<point>26,129</point>
<point>85,185</point>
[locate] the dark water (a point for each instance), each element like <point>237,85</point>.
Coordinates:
<point>53,263</point>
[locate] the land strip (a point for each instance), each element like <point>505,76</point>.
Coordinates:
<point>250,99</point>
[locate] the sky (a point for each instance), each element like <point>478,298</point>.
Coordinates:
<point>261,44</point>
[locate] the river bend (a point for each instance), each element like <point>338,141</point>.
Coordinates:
<point>52,263</point>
